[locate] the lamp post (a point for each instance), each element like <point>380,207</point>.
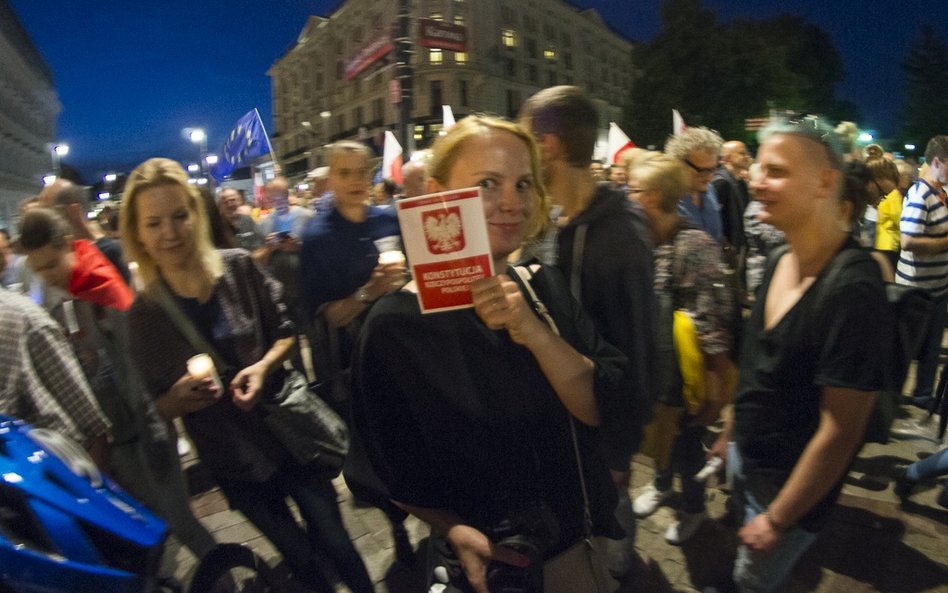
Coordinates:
<point>58,151</point>
<point>198,136</point>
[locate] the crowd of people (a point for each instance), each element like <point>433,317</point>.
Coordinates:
<point>631,310</point>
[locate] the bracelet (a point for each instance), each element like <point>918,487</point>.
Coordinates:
<point>773,524</point>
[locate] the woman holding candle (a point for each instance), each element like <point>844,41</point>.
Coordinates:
<point>237,309</point>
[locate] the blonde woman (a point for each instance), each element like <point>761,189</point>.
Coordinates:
<point>466,413</point>
<point>237,309</point>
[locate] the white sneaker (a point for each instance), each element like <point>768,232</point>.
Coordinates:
<point>681,530</point>
<point>650,499</point>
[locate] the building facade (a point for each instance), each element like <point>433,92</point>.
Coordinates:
<point>341,78</point>
<point>29,107</point>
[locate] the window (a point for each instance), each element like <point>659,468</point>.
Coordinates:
<point>339,70</point>
<point>435,56</point>
<point>551,78</point>
<point>462,92</point>
<point>342,123</point>
<point>568,60</point>
<point>460,57</point>
<point>378,109</point>
<point>532,74</point>
<point>319,81</point>
<point>508,37</point>
<point>549,53</point>
<point>532,48</point>
<point>419,133</point>
<point>360,116</point>
<point>529,24</point>
<point>510,67</point>
<point>437,16</point>
<point>437,99</point>
<point>506,14</point>
<point>567,40</point>
<point>459,20</point>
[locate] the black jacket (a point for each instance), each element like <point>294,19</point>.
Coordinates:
<point>616,290</point>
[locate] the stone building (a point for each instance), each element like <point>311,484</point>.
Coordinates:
<point>29,107</point>
<point>340,79</point>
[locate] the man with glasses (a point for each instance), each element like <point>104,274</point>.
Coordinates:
<point>924,258</point>
<point>698,149</point>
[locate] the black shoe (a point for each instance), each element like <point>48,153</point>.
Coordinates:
<point>903,485</point>
<point>404,553</point>
<point>925,402</point>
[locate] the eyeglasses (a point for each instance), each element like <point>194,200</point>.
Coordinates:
<point>700,170</point>
<point>636,190</point>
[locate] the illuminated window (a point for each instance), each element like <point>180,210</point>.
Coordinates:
<point>459,20</point>
<point>435,56</point>
<point>508,37</point>
<point>460,57</point>
<point>419,133</point>
<point>437,16</point>
<point>549,53</point>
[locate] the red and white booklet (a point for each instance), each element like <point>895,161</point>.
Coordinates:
<point>445,237</point>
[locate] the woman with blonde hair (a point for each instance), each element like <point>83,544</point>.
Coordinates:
<point>236,308</point>
<point>689,277</point>
<point>467,414</point>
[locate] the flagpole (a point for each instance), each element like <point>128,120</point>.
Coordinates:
<point>273,157</point>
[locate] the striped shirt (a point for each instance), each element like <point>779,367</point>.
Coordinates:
<point>924,215</point>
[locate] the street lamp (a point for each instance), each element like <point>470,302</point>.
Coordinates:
<point>198,136</point>
<point>58,151</point>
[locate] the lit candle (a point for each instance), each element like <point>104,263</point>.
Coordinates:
<point>201,366</point>
<point>392,257</point>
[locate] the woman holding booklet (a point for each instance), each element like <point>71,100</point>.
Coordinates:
<point>467,415</point>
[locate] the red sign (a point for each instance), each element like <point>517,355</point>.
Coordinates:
<point>442,35</point>
<point>368,55</point>
<point>447,284</point>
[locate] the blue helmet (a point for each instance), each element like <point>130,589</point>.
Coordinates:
<point>65,527</point>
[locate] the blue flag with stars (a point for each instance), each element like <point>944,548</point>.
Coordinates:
<point>247,141</point>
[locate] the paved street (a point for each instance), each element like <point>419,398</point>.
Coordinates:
<point>871,545</point>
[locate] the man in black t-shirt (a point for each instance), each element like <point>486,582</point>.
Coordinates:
<point>812,359</point>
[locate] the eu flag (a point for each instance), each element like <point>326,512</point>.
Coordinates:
<point>247,141</point>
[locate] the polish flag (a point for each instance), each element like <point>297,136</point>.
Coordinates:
<point>617,143</point>
<point>678,123</point>
<point>392,159</point>
<point>447,118</point>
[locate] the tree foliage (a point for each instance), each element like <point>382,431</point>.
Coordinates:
<point>718,74</point>
<point>925,68</point>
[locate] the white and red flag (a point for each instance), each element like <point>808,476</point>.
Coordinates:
<point>678,123</point>
<point>447,118</point>
<point>618,143</point>
<point>392,159</point>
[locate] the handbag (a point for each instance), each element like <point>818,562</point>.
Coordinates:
<point>581,568</point>
<point>303,423</point>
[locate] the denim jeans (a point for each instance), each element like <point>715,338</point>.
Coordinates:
<point>264,504</point>
<point>762,572</point>
<point>931,467</point>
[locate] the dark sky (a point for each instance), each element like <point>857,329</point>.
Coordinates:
<point>132,75</point>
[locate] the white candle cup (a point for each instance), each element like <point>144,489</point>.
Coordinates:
<point>392,257</point>
<point>201,366</point>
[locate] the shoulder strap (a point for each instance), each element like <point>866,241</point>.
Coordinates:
<point>525,276</point>
<point>163,297</point>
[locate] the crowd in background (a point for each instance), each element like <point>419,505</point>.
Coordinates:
<point>636,304</point>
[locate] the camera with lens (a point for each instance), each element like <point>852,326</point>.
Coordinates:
<point>530,532</point>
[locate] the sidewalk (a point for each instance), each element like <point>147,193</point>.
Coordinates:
<point>871,544</point>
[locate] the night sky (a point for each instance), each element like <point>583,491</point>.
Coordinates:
<point>132,75</point>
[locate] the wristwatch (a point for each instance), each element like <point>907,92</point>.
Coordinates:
<point>362,295</point>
